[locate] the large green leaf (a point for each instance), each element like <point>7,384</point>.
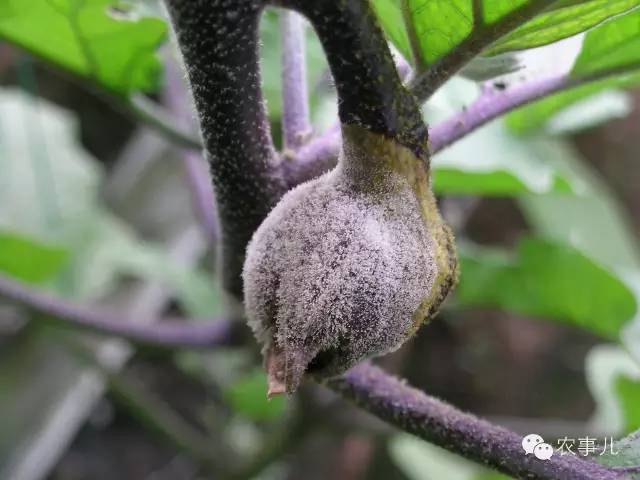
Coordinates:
<point>506,166</point>
<point>437,28</point>
<point>593,223</point>
<point>28,260</point>
<point>97,40</point>
<point>550,280</point>
<point>610,56</point>
<point>564,19</point>
<point>491,161</point>
<point>614,45</point>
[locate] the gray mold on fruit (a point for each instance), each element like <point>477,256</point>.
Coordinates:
<point>346,266</point>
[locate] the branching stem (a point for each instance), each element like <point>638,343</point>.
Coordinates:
<point>321,153</point>
<point>370,92</point>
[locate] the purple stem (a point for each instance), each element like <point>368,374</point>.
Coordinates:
<point>197,175</point>
<point>383,395</point>
<point>411,410</point>
<point>296,126</point>
<point>321,153</point>
<point>315,158</point>
<point>159,332</point>
<point>491,104</point>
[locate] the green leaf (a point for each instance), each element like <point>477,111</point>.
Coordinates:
<point>550,280</point>
<point>573,220</point>
<point>562,20</point>
<point>507,166</point>
<point>440,27</point>
<point>93,39</point>
<point>615,45</point>
<point>390,14</point>
<point>628,391</point>
<point>29,260</point>
<point>62,206</point>
<point>611,50</point>
<point>248,397</point>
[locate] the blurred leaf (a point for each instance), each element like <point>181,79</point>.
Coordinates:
<point>61,205</point>
<point>592,222</point>
<point>563,19</point>
<point>419,460</point>
<point>505,166</point>
<point>95,39</point>
<point>549,280</point>
<point>604,366</point>
<point>598,109</point>
<point>197,291</point>
<point>50,192</point>
<point>628,391</point>
<point>248,397</point>
<point>29,260</point>
<point>441,26</point>
<point>627,454</point>
<point>534,116</point>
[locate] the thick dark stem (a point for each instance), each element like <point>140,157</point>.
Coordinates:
<point>394,401</point>
<point>219,42</point>
<point>370,92</point>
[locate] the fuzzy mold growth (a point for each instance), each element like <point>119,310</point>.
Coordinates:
<point>347,265</point>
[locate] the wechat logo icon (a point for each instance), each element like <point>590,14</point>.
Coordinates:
<point>534,443</point>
